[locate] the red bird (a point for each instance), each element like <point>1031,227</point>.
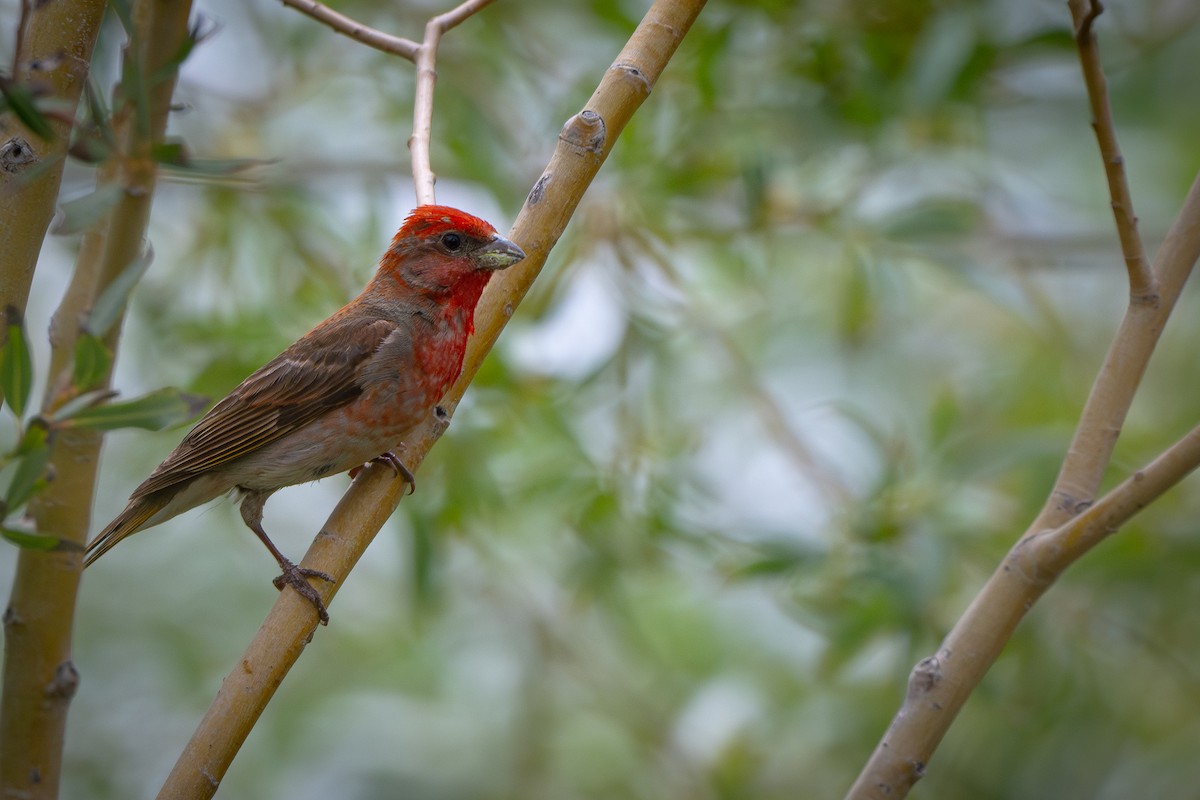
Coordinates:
<point>343,394</point>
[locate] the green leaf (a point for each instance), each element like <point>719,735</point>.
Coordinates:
<point>92,361</point>
<point>155,411</point>
<point>29,476</point>
<point>35,541</point>
<point>174,154</point>
<point>75,404</point>
<point>21,101</point>
<point>108,306</point>
<point>124,11</point>
<point>198,32</point>
<point>16,365</point>
<point>81,213</point>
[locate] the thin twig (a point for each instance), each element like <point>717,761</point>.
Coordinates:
<point>426,60</point>
<point>396,45</point>
<point>424,55</point>
<point>1142,285</point>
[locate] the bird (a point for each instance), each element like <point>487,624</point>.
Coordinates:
<point>342,395</point>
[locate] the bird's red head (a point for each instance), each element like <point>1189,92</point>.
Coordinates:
<point>427,221</point>
<point>444,253</point>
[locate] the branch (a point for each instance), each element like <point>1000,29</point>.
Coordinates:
<point>1141,280</point>
<point>27,196</point>
<point>39,678</point>
<point>426,59</point>
<point>937,687</point>
<point>369,36</point>
<point>584,144</point>
<point>940,684</point>
<point>424,55</point>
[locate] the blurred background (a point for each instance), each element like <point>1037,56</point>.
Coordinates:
<point>801,370</point>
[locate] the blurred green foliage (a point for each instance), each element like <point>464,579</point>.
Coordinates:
<point>799,373</point>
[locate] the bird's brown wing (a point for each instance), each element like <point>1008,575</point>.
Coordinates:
<point>317,374</point>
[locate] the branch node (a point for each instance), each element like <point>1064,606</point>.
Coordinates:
<point>925,676</point>
<point>16,154</point>
<point>585,130</point>
<point>1083,31</point>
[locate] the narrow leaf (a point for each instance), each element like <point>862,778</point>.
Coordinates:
<point>110,303</point>
<point>21,101</point>
<point>198,31</point>
<point>79,214</point>
<point>124,11</point>
<point>174,154</point>
<point>154,411</point>
<point>16,365</point>
<point>34,541</point>
<point>92,361</point>
<point>28,478</point>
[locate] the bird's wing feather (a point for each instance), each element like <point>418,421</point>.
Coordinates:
<point>317,374</point>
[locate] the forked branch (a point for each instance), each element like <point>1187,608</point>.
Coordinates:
<point>1071,523</point>
<point>424,55</point>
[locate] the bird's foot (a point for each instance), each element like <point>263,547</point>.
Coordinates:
<point>296,577</point>
<point>393,461</point>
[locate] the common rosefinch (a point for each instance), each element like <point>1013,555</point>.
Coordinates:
<point>343,394</point>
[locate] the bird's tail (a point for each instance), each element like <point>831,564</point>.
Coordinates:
<point>129,522</point>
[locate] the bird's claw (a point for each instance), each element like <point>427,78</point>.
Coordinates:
<point>296,577</point>
<point>393,461</point>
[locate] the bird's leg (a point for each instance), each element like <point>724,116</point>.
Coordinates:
<point>294,576</point>
<point>393,461</point>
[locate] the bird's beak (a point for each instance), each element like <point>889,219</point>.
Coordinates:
<point>498,254</point>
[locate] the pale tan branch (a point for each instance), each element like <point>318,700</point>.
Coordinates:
<point>1068,526</point>
<point>424,177</point>
<point>584,144</point>
<point>396,45</point>
<point>1142,285</point>
<point>940,684</point>
<point>39,677</point>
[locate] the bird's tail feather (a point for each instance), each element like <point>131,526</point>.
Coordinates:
<point>129,522</point>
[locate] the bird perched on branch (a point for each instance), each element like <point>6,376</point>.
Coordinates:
<point>345,393</point>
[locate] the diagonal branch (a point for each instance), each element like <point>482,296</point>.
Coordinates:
<point>584,144</point>
<point>1142,285</point>
<point>941,684</point>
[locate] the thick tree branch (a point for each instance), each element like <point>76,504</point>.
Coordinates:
<point>39,678</point>
<point>54,49</point>
<point>584,143</point>
<point>1141,279</point>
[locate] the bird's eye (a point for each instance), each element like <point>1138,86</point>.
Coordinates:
<point>452,241</point>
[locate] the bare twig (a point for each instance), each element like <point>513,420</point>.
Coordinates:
<point>584,143</point>
<point>426,60</point>
<point>405,48</point>
<point>424,55</point>
<point>1142,285</point>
